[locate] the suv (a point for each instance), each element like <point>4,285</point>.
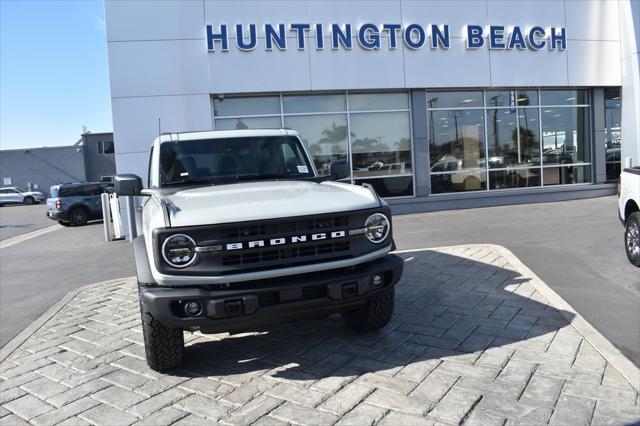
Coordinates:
<point>76,203</point>
<point>12,195</point>
<point>239,232</point>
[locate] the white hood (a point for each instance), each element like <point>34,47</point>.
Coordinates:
<point>265,200</point>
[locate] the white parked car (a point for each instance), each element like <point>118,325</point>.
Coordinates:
<point>629,211</point>
<point>12,195</point>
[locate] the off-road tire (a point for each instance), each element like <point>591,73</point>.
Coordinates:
<point>164,346</point>
<point>29,201</point>
<point>632,238</point>
<point>375,315</point>
<point>78,216</point>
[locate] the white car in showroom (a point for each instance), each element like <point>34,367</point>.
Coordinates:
<point>12,195</point>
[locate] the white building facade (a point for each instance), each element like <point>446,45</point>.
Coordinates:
<point>437,104</point>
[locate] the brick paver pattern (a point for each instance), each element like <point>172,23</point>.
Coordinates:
<point>471,341</point>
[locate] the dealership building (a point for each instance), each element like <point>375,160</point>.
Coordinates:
<point>436,104</point>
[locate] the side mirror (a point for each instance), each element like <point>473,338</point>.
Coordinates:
<point>127,184</point>
<point>339,169</point>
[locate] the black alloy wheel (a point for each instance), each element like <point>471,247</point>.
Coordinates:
<point>78,216</point>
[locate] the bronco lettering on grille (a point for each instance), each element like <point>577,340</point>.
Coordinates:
<point>287,240</point>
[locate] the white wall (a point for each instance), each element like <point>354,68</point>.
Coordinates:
<point>160,66</point>
<point>630,46</point>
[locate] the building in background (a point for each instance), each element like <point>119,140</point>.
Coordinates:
<point>438,104</point>
<point>92,158</point>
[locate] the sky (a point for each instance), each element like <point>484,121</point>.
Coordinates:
<point>54,75</point>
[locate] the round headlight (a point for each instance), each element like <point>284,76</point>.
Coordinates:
<point>179,250</point>
<point>376,228</point>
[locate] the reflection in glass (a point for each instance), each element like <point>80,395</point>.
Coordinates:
<point>514,178</point>
<point>612,133</point>
<point>401,186</point>
<point>246,106</point>
<point>248,123</point>
<point>380,143</point>
<point>565,135</point>
<point>566,175</point>
<point>457,182</point>
<point>456,139</point>
<point>564,97</point>
<point>454,99</point>
<point>527,97</point>
<point>313,103</point>
<point>378,101</point>
<point>513,137</point>
<point>324,135</point>
<point>497,98</point>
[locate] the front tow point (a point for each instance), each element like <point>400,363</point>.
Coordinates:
<point>349,290</point>
<point>234,308</point>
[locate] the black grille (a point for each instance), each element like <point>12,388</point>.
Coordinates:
<point>294,226</point>
<point>289,253</point>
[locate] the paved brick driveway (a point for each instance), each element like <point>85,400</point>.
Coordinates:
<point>471,341</point>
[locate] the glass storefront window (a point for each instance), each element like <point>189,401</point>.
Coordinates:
<point>454,99</point>
<point>457,182</point>
<point>313,103</point>
<point>401,186</point>
<point>378,101</point>
<point>513,137</point>
<point>258,105</point>
<point>324,135</point>
<point>248,123</point>
<point>612,135</point>
<point>510,98</point>
<point>456,139</point>
<point>564,97</point>
<point>566,175</point>
<point>565,136</point>
<point>514,178</point>
<point>380,144</point>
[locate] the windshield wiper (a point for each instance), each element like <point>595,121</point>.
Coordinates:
<point>190,181</point>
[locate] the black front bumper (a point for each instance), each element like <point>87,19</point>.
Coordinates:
<point>252,305</point>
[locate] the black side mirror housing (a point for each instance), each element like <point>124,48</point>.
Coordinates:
<point>128,184</point>
<point>339,169</point>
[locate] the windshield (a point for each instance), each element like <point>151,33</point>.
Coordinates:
<point>227,160</point>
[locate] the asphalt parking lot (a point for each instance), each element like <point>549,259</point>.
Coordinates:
<point>18,219</point>
<point>36,273</point>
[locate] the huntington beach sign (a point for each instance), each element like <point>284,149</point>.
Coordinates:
<point>370,36</point>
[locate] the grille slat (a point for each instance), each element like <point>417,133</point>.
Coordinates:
<point>269,255</point>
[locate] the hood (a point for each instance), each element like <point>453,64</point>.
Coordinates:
<point>32,193</point>
<point>265,200</point>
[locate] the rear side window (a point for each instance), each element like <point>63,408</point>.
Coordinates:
<point>69,191</point>
<point>53,192</point>
<point>92,190</point>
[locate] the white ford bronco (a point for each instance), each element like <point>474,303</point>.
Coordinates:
<point>238,232</point>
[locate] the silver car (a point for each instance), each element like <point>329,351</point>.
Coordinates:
<point>12,195</point>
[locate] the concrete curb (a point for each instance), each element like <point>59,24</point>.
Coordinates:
<point>620,362</point>
<point>21,337</point>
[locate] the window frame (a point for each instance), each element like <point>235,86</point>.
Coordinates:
<point>100,147</point>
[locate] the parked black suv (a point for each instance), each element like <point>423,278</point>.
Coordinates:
<point>76,203</point>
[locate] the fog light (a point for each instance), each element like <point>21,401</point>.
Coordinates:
<point>193,309</point>
<point>377,280</point>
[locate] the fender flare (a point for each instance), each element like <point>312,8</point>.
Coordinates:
<point>143,268</point>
